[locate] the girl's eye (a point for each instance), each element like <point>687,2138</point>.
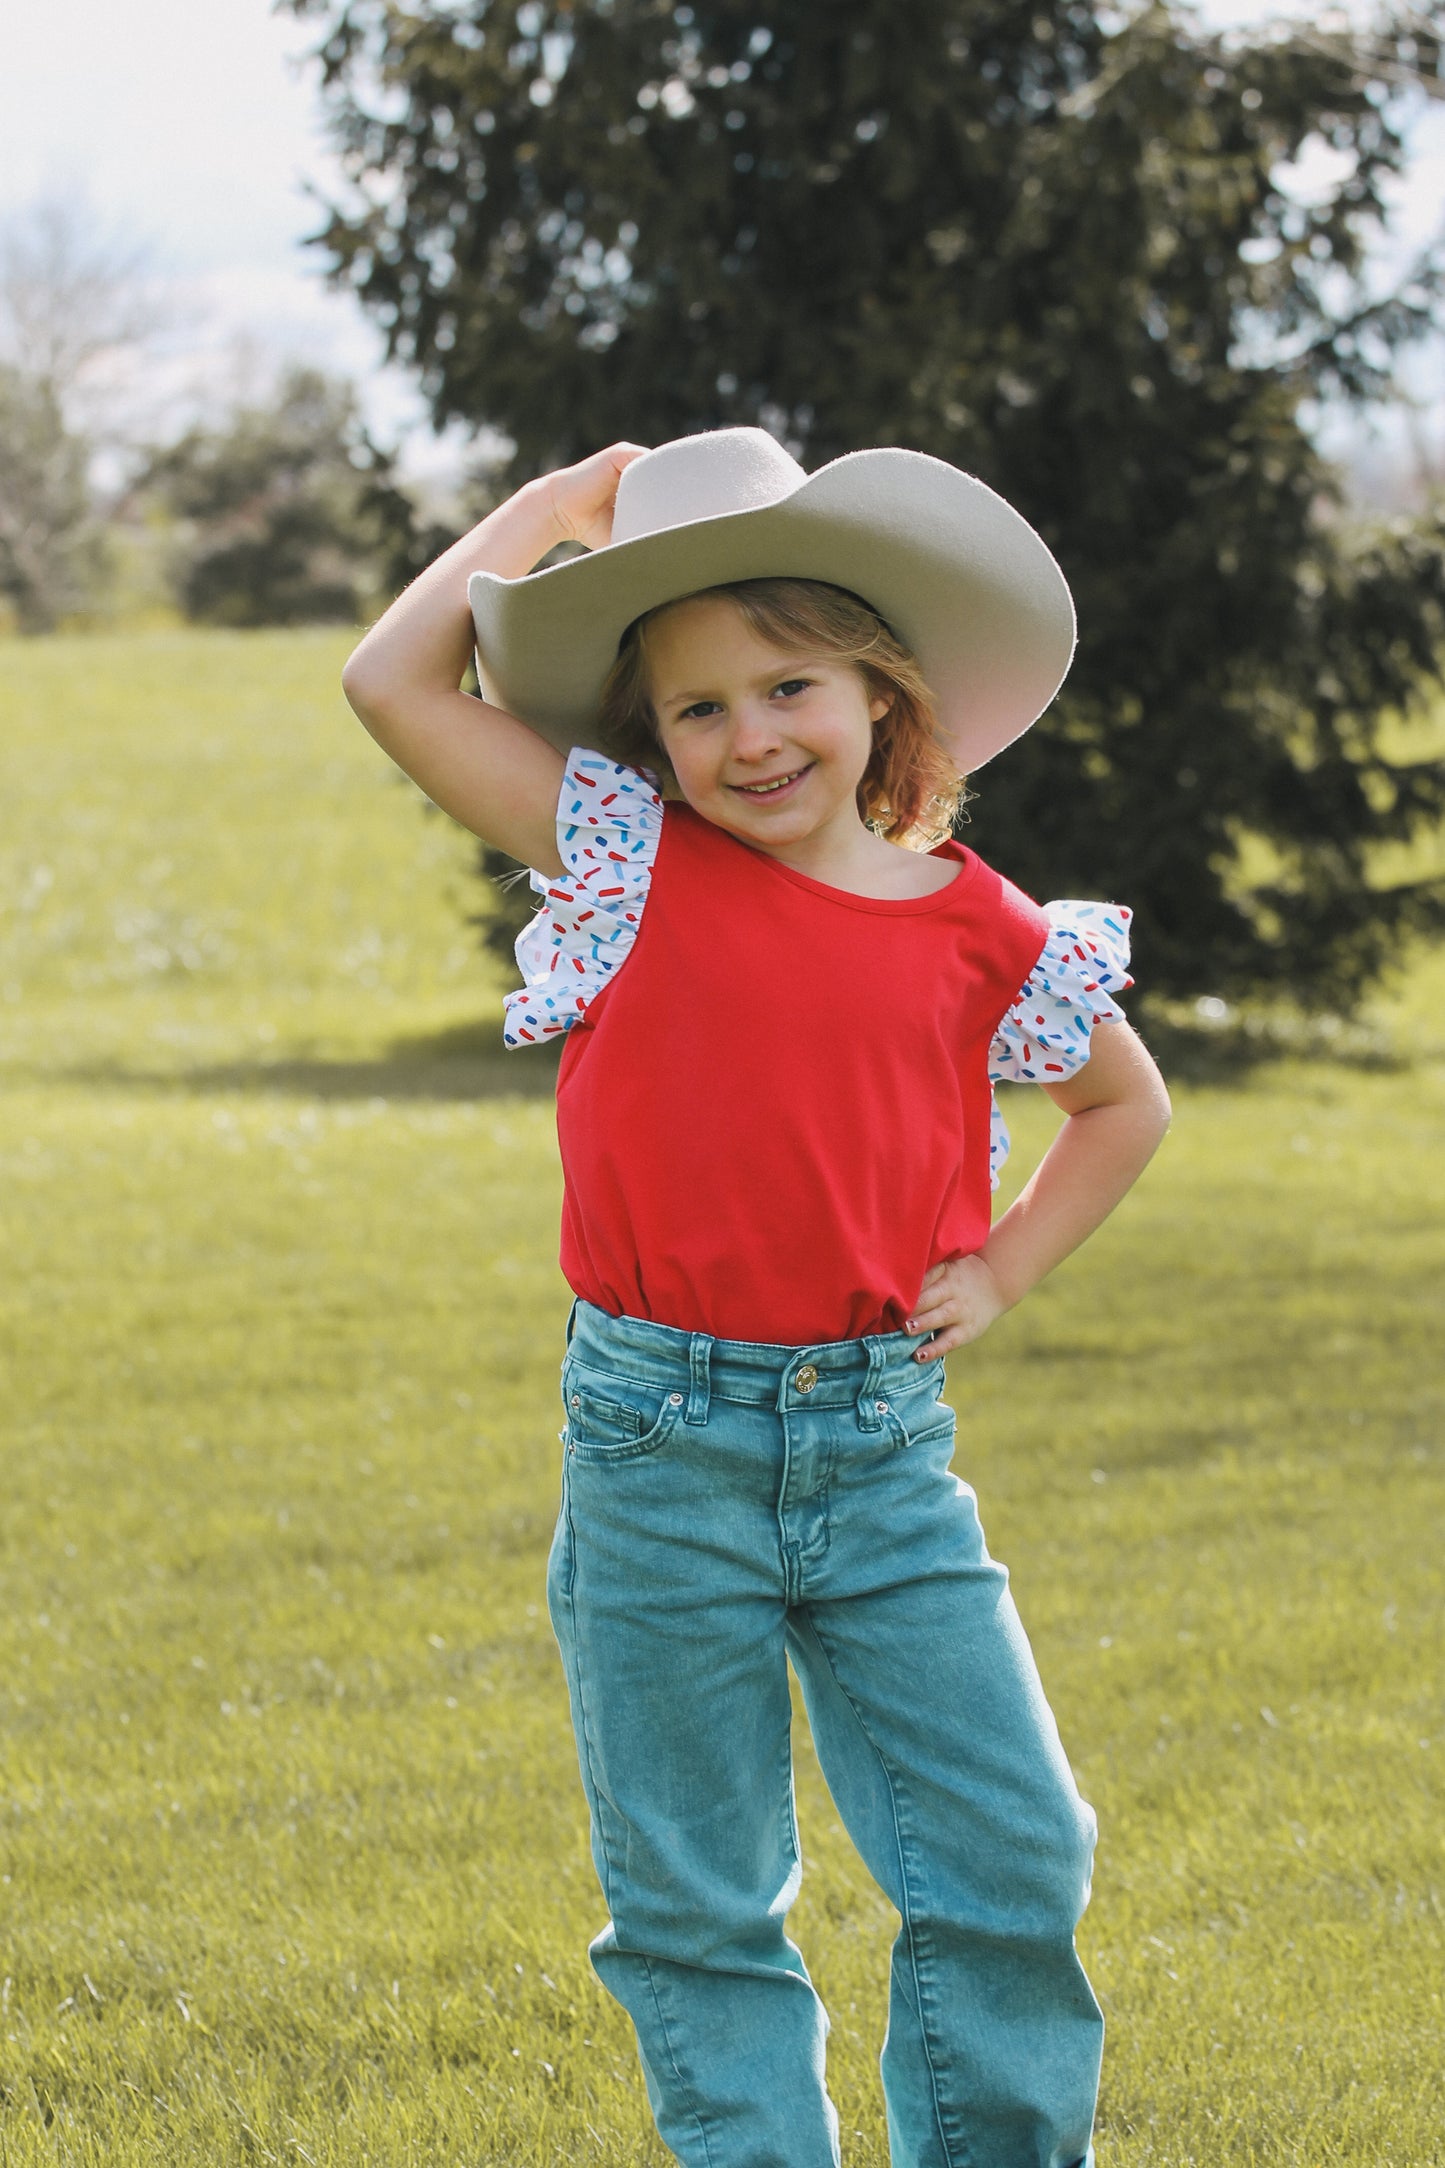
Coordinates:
<point>701,710</point>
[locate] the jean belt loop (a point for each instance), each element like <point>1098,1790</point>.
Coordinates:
<point>868,1416</point>
<point>571,1321</point>
<point>699,1361</point>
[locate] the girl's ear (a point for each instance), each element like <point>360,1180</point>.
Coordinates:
<point>878,708</point>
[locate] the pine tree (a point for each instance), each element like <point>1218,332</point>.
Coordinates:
<point>1041,242</point>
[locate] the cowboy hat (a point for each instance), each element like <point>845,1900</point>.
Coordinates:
<point>958,574</point>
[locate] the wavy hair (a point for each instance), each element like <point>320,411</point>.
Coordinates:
<point>910,791</point>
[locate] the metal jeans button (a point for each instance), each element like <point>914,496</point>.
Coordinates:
<point>881,1406</point>
<point>806,1378</point>
<point>674,1400</point>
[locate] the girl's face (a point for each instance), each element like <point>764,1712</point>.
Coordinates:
<point>767,743</point>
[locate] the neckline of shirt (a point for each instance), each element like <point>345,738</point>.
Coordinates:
<point>969,865</point>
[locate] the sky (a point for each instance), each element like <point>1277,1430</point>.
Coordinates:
<point>194,125</point>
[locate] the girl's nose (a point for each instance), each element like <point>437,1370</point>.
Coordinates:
<point>755,733</point>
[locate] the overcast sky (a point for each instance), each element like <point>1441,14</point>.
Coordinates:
<point>193,124</point>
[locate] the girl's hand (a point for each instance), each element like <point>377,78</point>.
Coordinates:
<point>960,1300</point>
<point>1118,1111</point>
<point>582,497</point>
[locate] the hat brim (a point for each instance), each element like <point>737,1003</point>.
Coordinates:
<point>961,577</point>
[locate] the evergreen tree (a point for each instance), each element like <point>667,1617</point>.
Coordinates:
<point>1047,243</point>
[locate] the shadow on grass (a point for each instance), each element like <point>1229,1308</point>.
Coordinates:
<point>1227,1053</point>
<point>467,1061</point>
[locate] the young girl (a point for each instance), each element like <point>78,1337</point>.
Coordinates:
<point>729,741</point>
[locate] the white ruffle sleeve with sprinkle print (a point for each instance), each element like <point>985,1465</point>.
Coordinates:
<point>1046,1033</point>
<point>609,825</point>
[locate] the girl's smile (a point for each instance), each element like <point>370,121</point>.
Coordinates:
<point>778,786</point>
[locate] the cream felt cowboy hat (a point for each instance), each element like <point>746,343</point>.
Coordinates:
<point>958,574</point>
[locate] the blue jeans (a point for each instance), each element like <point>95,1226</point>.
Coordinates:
<point>727,1505</point>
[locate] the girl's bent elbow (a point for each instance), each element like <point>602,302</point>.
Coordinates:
<point>1152,1091</point>
<point>354,676</point>
<point>363,689</point>
<point>1163,1108</point>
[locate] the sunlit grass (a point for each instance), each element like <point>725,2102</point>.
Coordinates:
<point>294,1850</point>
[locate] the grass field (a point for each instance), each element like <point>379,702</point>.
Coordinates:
<point>293,1850</point>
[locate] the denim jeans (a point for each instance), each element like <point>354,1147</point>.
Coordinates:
<point>726,1506</point>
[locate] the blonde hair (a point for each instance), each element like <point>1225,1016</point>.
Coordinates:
<point>910,791</point>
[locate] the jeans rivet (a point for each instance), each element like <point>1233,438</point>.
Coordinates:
<point>576,1400</point>
<point>674,1400</point>
<point>881,1406</point>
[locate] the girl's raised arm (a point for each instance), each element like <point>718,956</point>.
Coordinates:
<point>481,765</point>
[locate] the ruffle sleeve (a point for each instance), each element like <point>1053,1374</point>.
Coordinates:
<point>609,824</point>
<point>1044,1036</point>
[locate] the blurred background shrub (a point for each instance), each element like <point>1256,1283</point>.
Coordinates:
<point>285,512</point>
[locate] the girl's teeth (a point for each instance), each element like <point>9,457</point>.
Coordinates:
<point>760,790</point>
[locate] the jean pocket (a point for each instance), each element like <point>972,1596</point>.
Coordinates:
<point>919,1416</point>
<point>611,1418</point>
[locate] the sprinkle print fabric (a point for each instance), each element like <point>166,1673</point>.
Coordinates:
<point>609,824</point>
<point>1045,1035</point>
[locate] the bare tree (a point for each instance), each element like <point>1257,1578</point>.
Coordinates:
<point>51,552</point>
<point>75,296</point>
<point>78,301</point>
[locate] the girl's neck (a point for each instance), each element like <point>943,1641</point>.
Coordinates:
<point>862,863</point>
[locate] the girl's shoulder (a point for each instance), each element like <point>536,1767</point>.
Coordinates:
<point>609,827</point>
<point>1072,985</point>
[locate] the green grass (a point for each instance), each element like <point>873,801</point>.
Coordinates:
<point>293,1848</point>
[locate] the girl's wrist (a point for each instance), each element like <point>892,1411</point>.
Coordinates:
<point>1010,1292</point>
<point>519,533</point>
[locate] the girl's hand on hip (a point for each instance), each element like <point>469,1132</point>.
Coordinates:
<point>582,497</point>
<point>960,1300</point>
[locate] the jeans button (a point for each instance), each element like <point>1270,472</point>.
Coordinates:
<point>674,1400</point>
<point>806,1378</point>
<point>881,1406</point>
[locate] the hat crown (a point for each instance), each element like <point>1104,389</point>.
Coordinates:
<point>702,477</point>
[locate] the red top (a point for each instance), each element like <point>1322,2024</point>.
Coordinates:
<point>775,1118</point>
